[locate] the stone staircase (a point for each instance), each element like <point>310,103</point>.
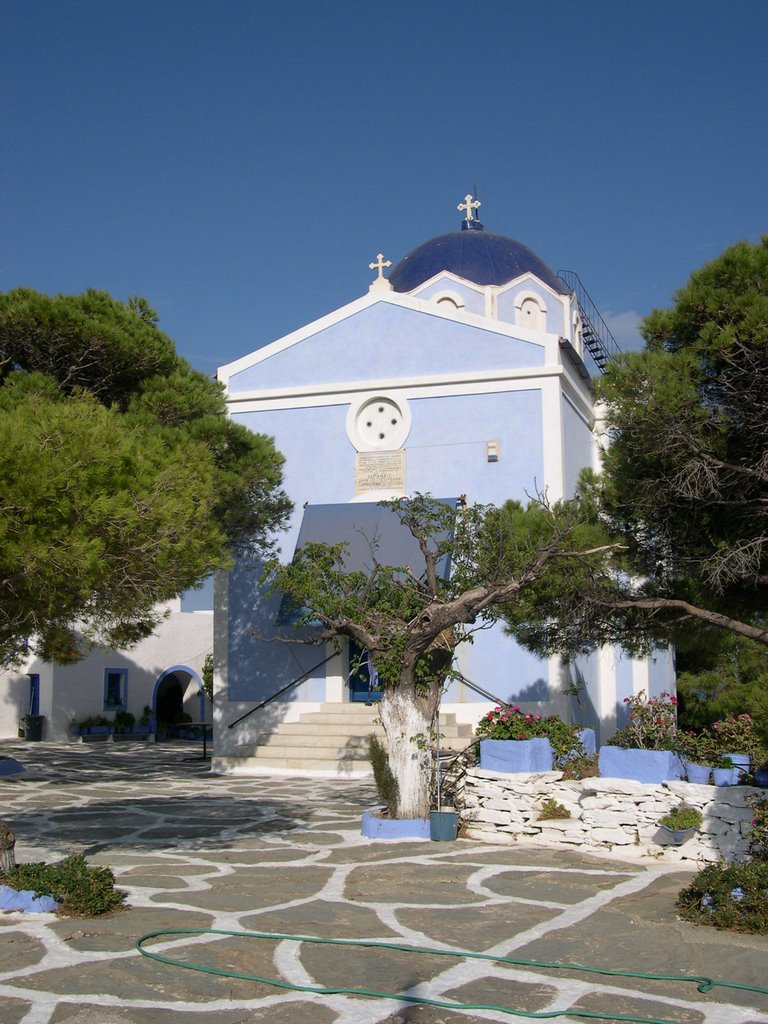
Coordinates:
<point>332,741</point>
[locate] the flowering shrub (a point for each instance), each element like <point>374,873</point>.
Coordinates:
<point>510,722</point>
<point>652,723</point>
<point>733,897</point>
<point>736,735</point>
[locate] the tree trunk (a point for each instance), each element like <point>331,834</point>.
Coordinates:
<point>408,719</point>
<point>7,844</point>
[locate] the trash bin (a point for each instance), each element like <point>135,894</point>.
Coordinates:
<point>33,727</point>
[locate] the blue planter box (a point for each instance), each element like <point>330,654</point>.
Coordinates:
<point>516,755</point>
<point>699,774</point>
<point>587,738</point>
<point>374,827</point>
<point>652,766</point>
<point>741,766</point>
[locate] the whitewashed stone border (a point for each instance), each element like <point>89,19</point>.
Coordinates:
<point>616,816</point>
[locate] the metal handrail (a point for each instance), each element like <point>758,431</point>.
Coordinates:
<point>480,690</point>
<point>281,691</point>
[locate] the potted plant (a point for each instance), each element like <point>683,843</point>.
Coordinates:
<point>723,773</point>
<point>513,740</point>
<point>123,722</point>
<point>648,748</point>
<point>700,757</point>
<point>144,725</point>
<point>681,822</point>
<point>443,821</point>
<point>96,725</point>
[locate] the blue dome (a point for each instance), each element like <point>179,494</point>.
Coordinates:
<point>476,256</point>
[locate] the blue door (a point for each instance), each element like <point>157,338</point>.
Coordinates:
<point>363,677</point>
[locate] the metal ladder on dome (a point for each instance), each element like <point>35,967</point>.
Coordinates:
<point>599,341</point>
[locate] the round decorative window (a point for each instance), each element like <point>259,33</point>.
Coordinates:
<point>381,423</point>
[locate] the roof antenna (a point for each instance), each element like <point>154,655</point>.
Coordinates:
<point>471,221</point>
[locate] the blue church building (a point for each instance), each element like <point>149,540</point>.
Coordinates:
<point>467,371</point>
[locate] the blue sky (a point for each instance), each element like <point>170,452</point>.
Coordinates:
<point>241,163</point>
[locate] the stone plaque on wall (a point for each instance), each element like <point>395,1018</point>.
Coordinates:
<point>380,471</point>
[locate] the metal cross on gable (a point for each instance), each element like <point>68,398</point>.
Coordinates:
<point>380,264</point>
<point>470,204</point>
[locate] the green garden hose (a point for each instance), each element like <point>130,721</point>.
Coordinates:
<point>703,984</point>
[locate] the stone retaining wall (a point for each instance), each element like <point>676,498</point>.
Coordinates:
<point>616,816</point>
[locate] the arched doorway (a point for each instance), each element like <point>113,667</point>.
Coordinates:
<point>178,698</point>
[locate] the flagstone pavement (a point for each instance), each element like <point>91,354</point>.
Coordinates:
<point>195,850</point>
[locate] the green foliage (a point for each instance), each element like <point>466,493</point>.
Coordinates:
<point>581,767</point>
<point>733,897</point>
<point>124,721</point>
<point>551,809</point>
<point>700,748</point>
<point>512,723</point>
<point>82,890</point>
<point>684,473</point>
<point>122,481</point>
<point>386,783</point>
<point>207,676</point>
<point>721,676</point>
<point>682,817</point>
<point>758,836</point>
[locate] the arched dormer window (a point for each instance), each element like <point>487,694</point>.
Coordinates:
<point>531,312</point>
<point>448,302</point>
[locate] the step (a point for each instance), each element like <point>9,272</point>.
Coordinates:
<point>337,742</point>
<point>327,751</point>
<point>311,729</point>
<point>296,765</point>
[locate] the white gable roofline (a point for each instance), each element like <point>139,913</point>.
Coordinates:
<point>527,277</point>
<point>448,277</point>
<point>358,306</point>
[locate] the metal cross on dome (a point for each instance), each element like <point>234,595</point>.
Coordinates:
<point>380,264</point>
<point>470,204</point>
